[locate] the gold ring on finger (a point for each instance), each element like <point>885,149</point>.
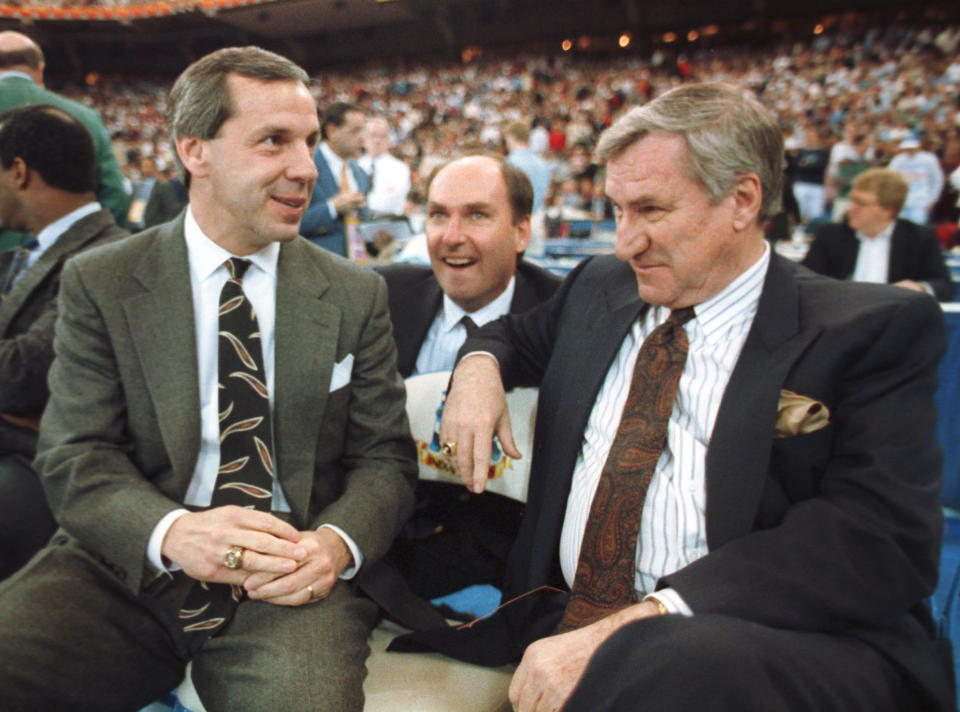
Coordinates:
<point>233,559</point>
<point>449,448</point>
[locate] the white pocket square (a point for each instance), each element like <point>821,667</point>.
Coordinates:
<point>341,373</point>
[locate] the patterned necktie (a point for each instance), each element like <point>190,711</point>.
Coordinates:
<point>606,570</point>
<point>246,473</point>
<point>344,179</point>
<point>18,263</point>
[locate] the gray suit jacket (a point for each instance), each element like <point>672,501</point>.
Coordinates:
<point>27,316</point>
<point>121,433</point>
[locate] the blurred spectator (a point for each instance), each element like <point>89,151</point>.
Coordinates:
<point>924,176</point>
<point>389,176</point>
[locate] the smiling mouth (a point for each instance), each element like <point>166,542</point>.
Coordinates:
<point>290,202</point>
<point>458,262</point>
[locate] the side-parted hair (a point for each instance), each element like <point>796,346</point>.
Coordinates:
<point>519,188</point>
<point>888,185</point>
<point>41,136</point>
<point>199,102</point>
<point>727,134</point>
<point>336,115</point>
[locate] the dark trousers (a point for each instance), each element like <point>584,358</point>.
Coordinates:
<point>723,664</point>
<point>26,523</point>
<point>73,637</point>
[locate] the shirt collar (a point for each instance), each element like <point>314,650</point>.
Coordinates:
<point>206,256</point>
<point>22,75</point>
<point>334,162</point>
<point>882,236</point>
<point>452,313</point>
<point>51,233</point>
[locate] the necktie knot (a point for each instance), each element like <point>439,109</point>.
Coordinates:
<point>469,324</point>
<point>237,268</point>
<point>681,316</point>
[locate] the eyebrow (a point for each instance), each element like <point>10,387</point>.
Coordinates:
<point>434,205</point>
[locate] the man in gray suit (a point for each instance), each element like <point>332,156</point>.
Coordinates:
<point>53,199</point>
<point>131,442</point>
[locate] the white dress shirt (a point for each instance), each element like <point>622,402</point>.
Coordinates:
<point>673,522</point>
<point>390,181</point>
<point>446,335</point>
<point>52,232</point>
<point>873,257</point>
<point>207,277</point>
<point>335,164</point>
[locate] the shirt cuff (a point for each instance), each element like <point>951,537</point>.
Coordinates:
<point>350,572</point>
<point>155,543</point>
<point>333,210</point>
<point>672,601</point>
<point>479,353</point>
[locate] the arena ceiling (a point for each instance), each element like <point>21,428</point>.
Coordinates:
<point>320,33</point>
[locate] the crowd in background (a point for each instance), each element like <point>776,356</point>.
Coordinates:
<point>879,86</point>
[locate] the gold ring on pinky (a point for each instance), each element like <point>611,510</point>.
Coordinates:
<point>312,594</point>
<point>233,559</point>
<point>449,448</point>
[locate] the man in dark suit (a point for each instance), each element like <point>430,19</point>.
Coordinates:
<point>43,195</point>
<point>342,185</point>
<point>220,532</point>
<point>874,246</point>
<point>21,82</point>
<point>478,225</point>
<point>765,527</point>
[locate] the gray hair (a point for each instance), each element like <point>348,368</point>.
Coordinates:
<point>199,102</point>
<point>727,134</point>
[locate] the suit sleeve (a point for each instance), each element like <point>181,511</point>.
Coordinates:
<point>816,257</point>
<point>94,488</point>
<point>933,268</point>
<point>379,456</point>
<point>858,545</point>
<point>24,362</point>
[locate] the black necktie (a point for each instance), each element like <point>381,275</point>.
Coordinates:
<point>246,473</point>
<point>606,568</point>
<point>18,263</point>
<point>469,324</point>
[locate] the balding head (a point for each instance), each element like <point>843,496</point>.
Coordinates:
<point>20,53</point>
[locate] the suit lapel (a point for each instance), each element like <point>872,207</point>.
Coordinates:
<point>896,265</point>
<point>422,303</point>
<point>739,449</point>
<point>849,251</point>
<point>325,178</point>
<point>161,323</point>
<point>305,351</point>
<point>79,234</point>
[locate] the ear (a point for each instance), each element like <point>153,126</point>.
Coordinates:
<point>747,198</point>
<point>194,153</point>
<point>22,175</point>
<point>523,234</point>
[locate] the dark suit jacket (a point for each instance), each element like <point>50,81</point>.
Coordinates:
<point>836,531</point>
<point>915,254</point>
<point>415,298</point>
<point>27,316</point>
<point>16,90</point>
<point>317,225</point>
<point>120,435</point>
<point>456,538</point>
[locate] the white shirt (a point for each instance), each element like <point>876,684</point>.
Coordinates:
<point>335,164</point>
<point>207,277</point>
<point>52,232</point>
<point>446,335</point>
<point>873,257</point>
<point>390,178</point>
<point>673,522</point>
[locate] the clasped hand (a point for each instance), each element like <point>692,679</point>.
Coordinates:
<point>280,564</point>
